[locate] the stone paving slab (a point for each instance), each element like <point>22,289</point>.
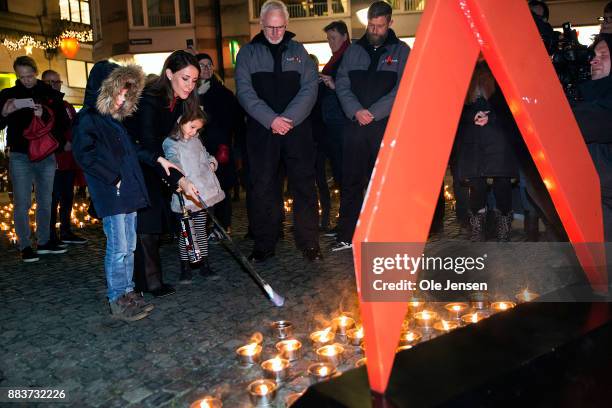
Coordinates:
<point>55,329</point>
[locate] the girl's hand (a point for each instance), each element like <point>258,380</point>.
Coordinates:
<point>214,165</point>
<point>167,165</point>
<point>188,188</point>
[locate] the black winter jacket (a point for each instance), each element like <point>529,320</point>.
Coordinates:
<point>19,120</point>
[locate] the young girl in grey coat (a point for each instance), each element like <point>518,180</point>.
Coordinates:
<point>184,148</point>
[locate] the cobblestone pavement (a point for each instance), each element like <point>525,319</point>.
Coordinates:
<point>55,329</point>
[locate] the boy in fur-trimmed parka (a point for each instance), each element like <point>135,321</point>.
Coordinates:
<point>104,150</point>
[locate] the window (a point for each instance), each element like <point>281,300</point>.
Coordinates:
<point>75,10</point>
<point>78,72</point>
<point>159,13</point>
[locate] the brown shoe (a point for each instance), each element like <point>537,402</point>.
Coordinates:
<point>140,301</point>
<point>126,310</point>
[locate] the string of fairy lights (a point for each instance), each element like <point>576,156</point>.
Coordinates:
<point>29,42</point>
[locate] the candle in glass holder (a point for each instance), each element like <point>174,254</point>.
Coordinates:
<point>416,305</point>
<point>361,362</point>
<point>290,349</point>
<point>410,337</point>
<point>502,306</point>
<point>331,353</point>
<point>355,336</point>
<point>207,402</point>
<point>249,354</point>
<point>444,326</point>
<point>425,319</point>
<point>291,398</point>
<point>526,296</point>
<point>262,392</point>
<point>321,372</point>
<point>456,309</point>
<point>322,337</point>
<point>276,368</point>
<point>342,324</point>
<point>479,300</point>
<point>472,317</point>
<point>282,329</point>
<point>402,348</point>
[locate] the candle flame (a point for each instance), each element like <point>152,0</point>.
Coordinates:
<point>426,315</point>
<point>343,320</point>
<point>249,349</point>
<point>276,364</point>
<point>445,325</point>
<point>359,332</point>
<point>263,389</point>
<point>291,345</point>
<point>205,404</point>
<point>503,306</point>
<point>474,317</point>
<point>324,371</point>
<point>416,303</point>
<point>457,308</point>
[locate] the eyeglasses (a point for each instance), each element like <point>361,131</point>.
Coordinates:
<point>275,28</point>
<point>606,19</point>
<point>206,66</point>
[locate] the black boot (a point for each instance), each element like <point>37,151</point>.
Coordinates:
<point>477,222</point>
<point>503,227</point>
<point>186,276</point>
<point>206,271</point>
<point>532,227</point>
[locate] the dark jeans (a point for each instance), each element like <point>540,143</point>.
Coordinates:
<point>321,179</point>
<point>63,196</point>
<point>361,145</point>
<point>335,140</point>
<point>502,189</point>
<point>147,263</point>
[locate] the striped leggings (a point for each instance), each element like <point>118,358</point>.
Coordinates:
<point>199,223</point>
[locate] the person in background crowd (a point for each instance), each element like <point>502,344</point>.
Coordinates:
<point>160,106</point>
<point>322,147</point>
<point>594,116</point>
<point>484,150</point>
<point>540,13</point>
<point>332,114</point>
<point>276,85</point>
<point>225,124</point>
<point>366,85</point>
<point>606,19</point>
<point>184,148</point>
<point>109,159</point>
<point>65,174</point>
<point>30,100</point>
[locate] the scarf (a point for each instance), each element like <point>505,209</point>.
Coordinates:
<point>328,69</point>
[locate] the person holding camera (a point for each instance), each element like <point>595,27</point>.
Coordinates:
<point>594,116</point>
<point>32,110</point>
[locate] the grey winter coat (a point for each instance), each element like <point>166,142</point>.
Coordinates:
<point>191,156</point>
<point>255,58</point>
<point>368,78</point>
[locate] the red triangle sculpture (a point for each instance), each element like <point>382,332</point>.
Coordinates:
<point>406,181</point>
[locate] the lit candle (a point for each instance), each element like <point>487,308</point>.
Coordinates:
<point>276,368</point>
<point>331,353</point>
<point>472,317</point>
<point>262,392</point>
<point>445,326</point>
<point>526,296</point>
<point>342,324</point>
<point>249,354</point>
<point>361,362</point>
<point>207,402</point>
<point>290,349</point>
<point>425,319</point>
<point>402,348</point>
<point>282,329</point>
<point>355,336</point>
<point>320,372</point>
<point>416,305</point>
<point>410,337</point>
<point>322,337</point>
<point>456,309</point>
<point>80,224</point>
<point>502,306</point>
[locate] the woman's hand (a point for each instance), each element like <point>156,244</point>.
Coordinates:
<point>328,81</point>
<point>481,118</point>
<point>38,110</point>
<point>188,188</point>
<point>167,165</point>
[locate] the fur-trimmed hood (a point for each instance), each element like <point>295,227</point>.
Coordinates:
<point>105,82</point>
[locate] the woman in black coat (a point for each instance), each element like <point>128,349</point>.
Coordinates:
<point>484,150</point>
<point>161,104</point>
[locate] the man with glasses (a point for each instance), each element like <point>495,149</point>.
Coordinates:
<point>366,85</point>
<point>29,100</point>
<point>65,174</point>
<point>277,86</point>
